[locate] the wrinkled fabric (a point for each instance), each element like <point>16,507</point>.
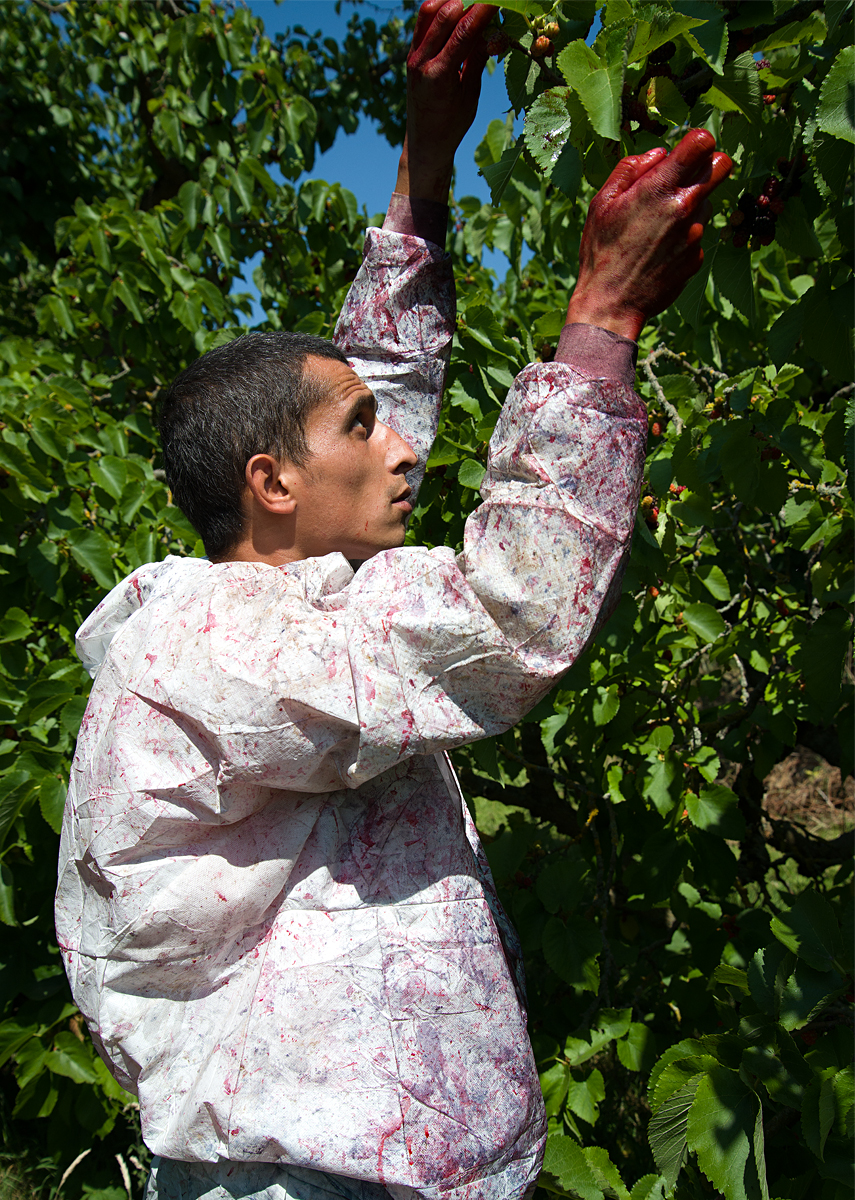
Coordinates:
<point>273,906</point>
<point>171,1180</point>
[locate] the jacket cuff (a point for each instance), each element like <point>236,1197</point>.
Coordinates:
<point>598,353</point>
<point>426,219</point>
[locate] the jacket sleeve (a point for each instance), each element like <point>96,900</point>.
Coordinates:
<point>396,328</point>
<point>445,649</point>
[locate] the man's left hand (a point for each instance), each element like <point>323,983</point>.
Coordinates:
<point>444,69</point>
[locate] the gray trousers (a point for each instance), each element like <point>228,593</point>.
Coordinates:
<point>224,1180</point>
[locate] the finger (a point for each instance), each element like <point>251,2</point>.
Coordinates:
<point>717,170</point>
<point>427,12</point>
<point>473,69</point>
<point>687,161</point>
<point>467,36</point>
<point>443,24</point>
<point>629,171</point>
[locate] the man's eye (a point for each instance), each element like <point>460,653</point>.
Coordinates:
<point>364,420</point>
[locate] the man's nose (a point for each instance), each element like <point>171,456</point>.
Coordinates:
<point>399,454</point>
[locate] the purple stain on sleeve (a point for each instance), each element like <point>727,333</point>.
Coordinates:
<point>426,219</point>
<point>597,353</point>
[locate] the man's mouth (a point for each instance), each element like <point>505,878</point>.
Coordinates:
<point>402,501</point>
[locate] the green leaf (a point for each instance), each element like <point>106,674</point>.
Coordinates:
<point>759,1153</point>
<point>547,136</point>
<point>704,621</point>
<point>716,810</point>
<point>471,473</point>
<point>7,896</point>
<point>714,580</point>
<point>710,40</point>
<point>52,793</point>
<point>72,1058</point>
<point>721,1126</point>
<point>129,296</point>
<point>806,993</point>
<point>768,971</point>
<point>821,656</point>
<point>818,1111</point>
<point>658,782</point>
<point>731,976</point>
<point>15,625</point>
<point>498,175</point>
<point>532,8</point>
<point>664,100</point>
<point>836,112</point>
<point>668,1130</point>
<point>843,1084</point>
<point>606,706</point>
<point>15,790</point>
<point>110,473</point>
<point>598,84</point>
<point>733,277</point>
<point>606,1173</point>
<point>809,930</point>
<point>565,1160</point>
<point>637,1051</point>
<point>737,89</point>
<point>584,1096</point>
<point>571,951</point>
<point>191,200</point>
<point>663,27</point>
<point>649,1187</point>
<point>94,553</point>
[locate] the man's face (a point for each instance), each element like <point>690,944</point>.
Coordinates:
<point>352,495</point>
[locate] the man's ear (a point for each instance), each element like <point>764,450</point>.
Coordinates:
<point>272,484</point>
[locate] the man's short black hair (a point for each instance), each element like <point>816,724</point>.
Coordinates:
<point>244,398</point>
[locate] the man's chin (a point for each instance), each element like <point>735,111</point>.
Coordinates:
<point>359,554</point>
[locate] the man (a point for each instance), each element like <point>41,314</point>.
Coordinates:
<point>273,905</point>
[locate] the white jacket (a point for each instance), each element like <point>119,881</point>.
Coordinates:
<point>273,906</point>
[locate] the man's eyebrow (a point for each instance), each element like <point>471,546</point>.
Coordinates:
<point>365,399</point>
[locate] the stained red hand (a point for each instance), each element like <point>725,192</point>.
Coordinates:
<point>641,242</point>
<point>444,68</point>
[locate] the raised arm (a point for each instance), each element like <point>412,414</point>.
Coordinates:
<point>398,319</point>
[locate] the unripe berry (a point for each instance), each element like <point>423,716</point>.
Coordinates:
<point>656,429</point>
<point>740,240</point>
<point>737,217</point>
<point>762,201</point>
<point>769,98</point>
<point>762,65</point>
<point>497,42</point>
<point>771,187</point>
<point>542,46</point>
<point>551,29</point>
<point>776,206</point>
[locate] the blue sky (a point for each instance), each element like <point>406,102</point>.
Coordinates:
<point>364,162</point>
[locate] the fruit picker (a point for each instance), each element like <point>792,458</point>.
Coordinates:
<point>273,905</point>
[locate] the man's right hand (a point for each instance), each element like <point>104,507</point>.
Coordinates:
<point>444,70</point>
<point>641,242</point>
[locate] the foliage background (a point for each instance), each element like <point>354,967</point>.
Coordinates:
<point>689,956</point>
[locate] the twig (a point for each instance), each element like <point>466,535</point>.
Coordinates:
<point>743,679</point>
<point>661,397</point>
